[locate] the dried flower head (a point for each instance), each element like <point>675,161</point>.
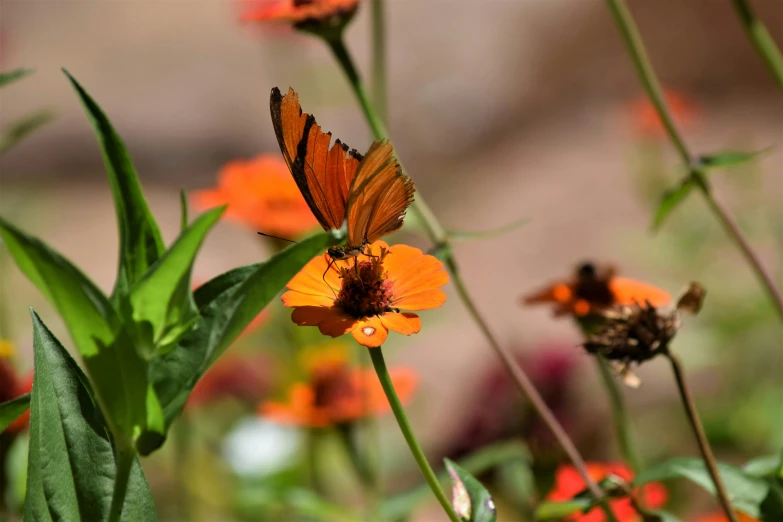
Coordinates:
<point>633,334</point>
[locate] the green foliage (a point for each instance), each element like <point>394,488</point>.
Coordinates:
<point>728,158</point>
<point>560,510</point>
<point>12,76</point>
<point>470,498</point>
<point>23,127</point>
<point>457,235</point>
<point>71,465</point>
<point>11,410</point>
<point>140,240</point>
<point>745,492</point>
<point>670,200</point>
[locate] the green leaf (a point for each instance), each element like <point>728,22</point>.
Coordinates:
<point>119,374</point>
<point>140,240</point>
<point>12,76</point>
<point>771,508</point>
<point>162,301</point>
<point>11,410</point>
<point>21,128</point>
<point>71,465</point>
<point>470,498</point>
<point>670,200</point>
<point>456,235</point>
<point>183,210</point>
<point>227,305</point>
<point>745,492</point>
<point>559,510</point>
<point>729,158</point>
<point>762,466</point>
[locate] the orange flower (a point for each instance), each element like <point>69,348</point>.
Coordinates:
<point>12,386</point>
<point>242,378</point>
<point>592,290</point>
<point>336,394</point>
<point>299,11</point>
<point>721,517</point>
<point>261,194</point>
<point>568,483</point>
<point>365,296</point>
<point>647,122</point>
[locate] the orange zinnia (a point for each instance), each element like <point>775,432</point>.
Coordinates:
<point>336,394</point>
<point>365,296</point>
<point>298,11</point>
<point>592,290</point>
<point>261,194</point>
<point>568,483</point>
<point>646,119</point>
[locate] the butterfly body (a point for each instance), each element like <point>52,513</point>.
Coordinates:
<point>369,192</point>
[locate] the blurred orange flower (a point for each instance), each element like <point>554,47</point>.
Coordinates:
<point>298,11</point>
<point>243,378</point>
<point>721,517</point>
<point>592,290</point>
<point>568,483</point>
<point>337,393</point>
<point>647,122</point>
<point>365,296</point>
<point>12,385</point>
<point>261,194</point>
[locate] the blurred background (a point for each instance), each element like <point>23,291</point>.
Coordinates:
<point>500,110</point>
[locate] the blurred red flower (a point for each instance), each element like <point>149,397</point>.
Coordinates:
<point>261,194</point>
<point>243,378</point>
<point>569,483</point>
<point>646,120</point>
<point>12,385</point>
<point>336,393</point>
<point>297,11</point>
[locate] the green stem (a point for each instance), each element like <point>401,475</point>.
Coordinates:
<point>399,413</point>
<point>313,441</point>
<point>182,432</point>
<point>622,424</point>
<point>379,57</point>
<point>649,80</point>
<point>761,40</point>
<point>439,237</point>
<point>361,463</point>
<point>701,438</point>
<point>124,456</point>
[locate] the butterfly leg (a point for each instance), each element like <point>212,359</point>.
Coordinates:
<point>328,266</point>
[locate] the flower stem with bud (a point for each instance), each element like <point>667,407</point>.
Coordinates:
<point>402,420</point>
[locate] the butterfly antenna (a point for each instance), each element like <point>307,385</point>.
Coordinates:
<point>276,237</point>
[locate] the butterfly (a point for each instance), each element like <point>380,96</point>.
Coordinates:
<point>370,192</point>
<point>593,289</point>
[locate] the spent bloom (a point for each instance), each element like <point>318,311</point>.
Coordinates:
<point>568,484</point>
<point>365,296</point>
<point>592,290</point>
<point>261,194</point>
<point>336,393</point>
<point>313,15</point>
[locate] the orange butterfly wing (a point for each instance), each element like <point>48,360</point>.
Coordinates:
<point>627,291</point>
<point>323,175</point>
<point>379,196</point>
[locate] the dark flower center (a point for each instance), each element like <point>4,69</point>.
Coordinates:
<point>365,291</point>
<point>332,386</point>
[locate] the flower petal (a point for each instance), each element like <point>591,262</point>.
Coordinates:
<point>628,291</point>
<point>315,279</point>
<point>336,324</point>
<point>405,381</point>
<point>311,315</point>
<point>294,299</point>
<point>418,274</point>
<point>370,332</point>
<point>421,300</point>
<point>406,324</point>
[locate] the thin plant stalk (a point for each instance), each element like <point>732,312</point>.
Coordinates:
<point>438,236</point>
<point>622,423</point>
<point>701,438</point>
<point>761,39</point>
<point>124,455</point>
<point>649,80</point>
<point>402,420</point>
<point>377,14</point>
